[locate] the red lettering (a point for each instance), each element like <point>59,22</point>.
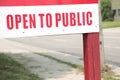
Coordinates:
<point>49,20</point>
<point>65,19</point>
<point>89,15</point>
<point>17,20</point>
<point>58,18</point>
<point>78,19</point>
<point>10,23</point>
<point>25,21</point>
<point>32,21</point>
<point>72,19</point>
<point>41,19</point>
<point>83,18</point>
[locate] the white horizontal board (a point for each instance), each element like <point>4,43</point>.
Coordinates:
<point>22,21</point>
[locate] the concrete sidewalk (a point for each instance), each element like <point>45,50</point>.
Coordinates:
<point>40,65</point>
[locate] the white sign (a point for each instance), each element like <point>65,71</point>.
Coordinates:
<point>21,21</point>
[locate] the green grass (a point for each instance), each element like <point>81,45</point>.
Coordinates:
<point>107,74</point>
<point>109,77</point>
<point>111,24</point>
<point>12,70</point>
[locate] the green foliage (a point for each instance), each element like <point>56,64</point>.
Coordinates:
<point>106,10</point>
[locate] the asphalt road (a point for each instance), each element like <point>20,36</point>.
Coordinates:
<point>73,44</point>
<point>112,45</point>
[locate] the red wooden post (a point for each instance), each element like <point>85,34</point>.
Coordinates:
<point>91,56</point>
